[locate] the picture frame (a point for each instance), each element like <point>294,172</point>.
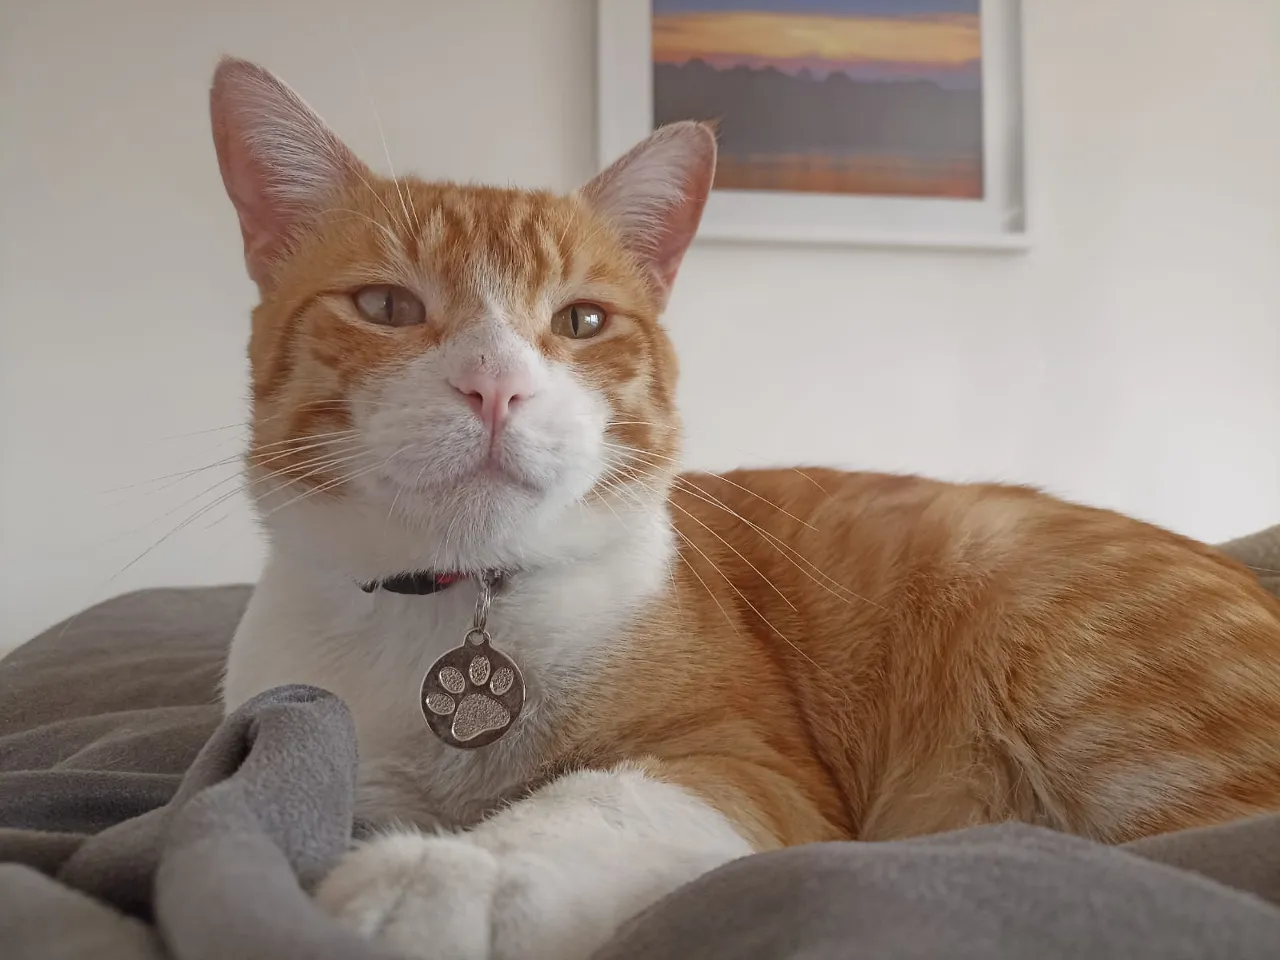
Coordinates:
<point>993,217</point>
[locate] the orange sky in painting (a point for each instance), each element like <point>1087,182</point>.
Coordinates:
<point>946,41</point>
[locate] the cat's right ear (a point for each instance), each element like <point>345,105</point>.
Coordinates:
<point>280,163</point>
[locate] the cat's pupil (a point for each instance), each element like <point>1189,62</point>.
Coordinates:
<point>388,306</point>
<point>573,317</point>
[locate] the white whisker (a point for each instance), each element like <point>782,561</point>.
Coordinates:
<point>789,553</point>
<point>749,492</point>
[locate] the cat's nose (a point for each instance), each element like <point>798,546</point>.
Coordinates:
<point>493,396</point>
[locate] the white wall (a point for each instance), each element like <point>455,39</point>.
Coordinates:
<point>1132,359</point>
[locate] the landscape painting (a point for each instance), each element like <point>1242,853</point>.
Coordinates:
<point>866,97</point>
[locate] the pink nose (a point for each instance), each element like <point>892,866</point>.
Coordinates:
<point>492,396</point>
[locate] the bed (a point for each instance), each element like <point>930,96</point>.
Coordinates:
<point>136,822</point>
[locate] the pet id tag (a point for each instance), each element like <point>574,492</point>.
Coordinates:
<point>473,693</point>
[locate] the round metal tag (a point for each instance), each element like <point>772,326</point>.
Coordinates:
<point>472,695</point>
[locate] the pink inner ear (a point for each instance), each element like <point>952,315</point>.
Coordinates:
<point>262,226</point>
<point>263,229</point>
<point>682,223</point>
<point>655,194</point>
<point>280,164</point>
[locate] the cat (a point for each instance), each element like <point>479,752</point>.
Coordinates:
<point>449,381</point>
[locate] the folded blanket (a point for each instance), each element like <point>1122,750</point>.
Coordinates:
<point>1000,891</point>
<point>136,823</point>
<point>1260,552</point>
<point>223,869</point>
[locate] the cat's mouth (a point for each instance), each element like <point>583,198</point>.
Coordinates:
<point>489,471</point>
<point>481,488</point>
<point>494,473</point>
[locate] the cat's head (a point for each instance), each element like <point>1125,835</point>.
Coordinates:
<point>480,370</point>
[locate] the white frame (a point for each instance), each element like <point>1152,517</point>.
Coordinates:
<point>998,222</point>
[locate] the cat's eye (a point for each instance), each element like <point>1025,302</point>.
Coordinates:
<point>578,321</point>
<point>389,306</point>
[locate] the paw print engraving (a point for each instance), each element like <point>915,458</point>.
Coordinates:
<point>472,695</point>
<point>477,713</point>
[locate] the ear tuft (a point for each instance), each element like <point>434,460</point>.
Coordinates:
<point>280,163</point>
<point>654,195</point>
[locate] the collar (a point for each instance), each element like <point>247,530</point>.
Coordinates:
<point>416,583</point>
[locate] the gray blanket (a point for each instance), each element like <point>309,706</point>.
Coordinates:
<point>136,823</point>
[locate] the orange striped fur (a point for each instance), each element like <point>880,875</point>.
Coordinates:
<point>831,655</point>
<point>872,657</point>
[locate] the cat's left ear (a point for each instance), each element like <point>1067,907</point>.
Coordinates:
<point>280,163</point>
<point>654,195</point>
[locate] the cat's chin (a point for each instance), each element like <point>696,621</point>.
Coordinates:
<point>486,511</point>
<point>484,499</point>
<point>379,529</point>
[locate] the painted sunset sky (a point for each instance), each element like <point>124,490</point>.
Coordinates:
<point>869,40</point>
<point>875,97</point>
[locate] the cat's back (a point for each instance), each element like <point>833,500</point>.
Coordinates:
<point>1078,667</point>
<point>886,533</point>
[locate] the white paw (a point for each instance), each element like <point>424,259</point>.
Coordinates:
<point>421,896</point>
<point>549,878</point>
<point>449,898</point>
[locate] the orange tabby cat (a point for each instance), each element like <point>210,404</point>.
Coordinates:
<point>453,381</point>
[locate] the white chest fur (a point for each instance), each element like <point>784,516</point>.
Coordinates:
<point>314,626</point>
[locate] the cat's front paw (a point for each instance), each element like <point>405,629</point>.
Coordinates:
<point>455,897</point>
<point>551,877</point>
<point>421,896</point>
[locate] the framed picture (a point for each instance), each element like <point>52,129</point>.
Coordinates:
<point>878,122</point>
